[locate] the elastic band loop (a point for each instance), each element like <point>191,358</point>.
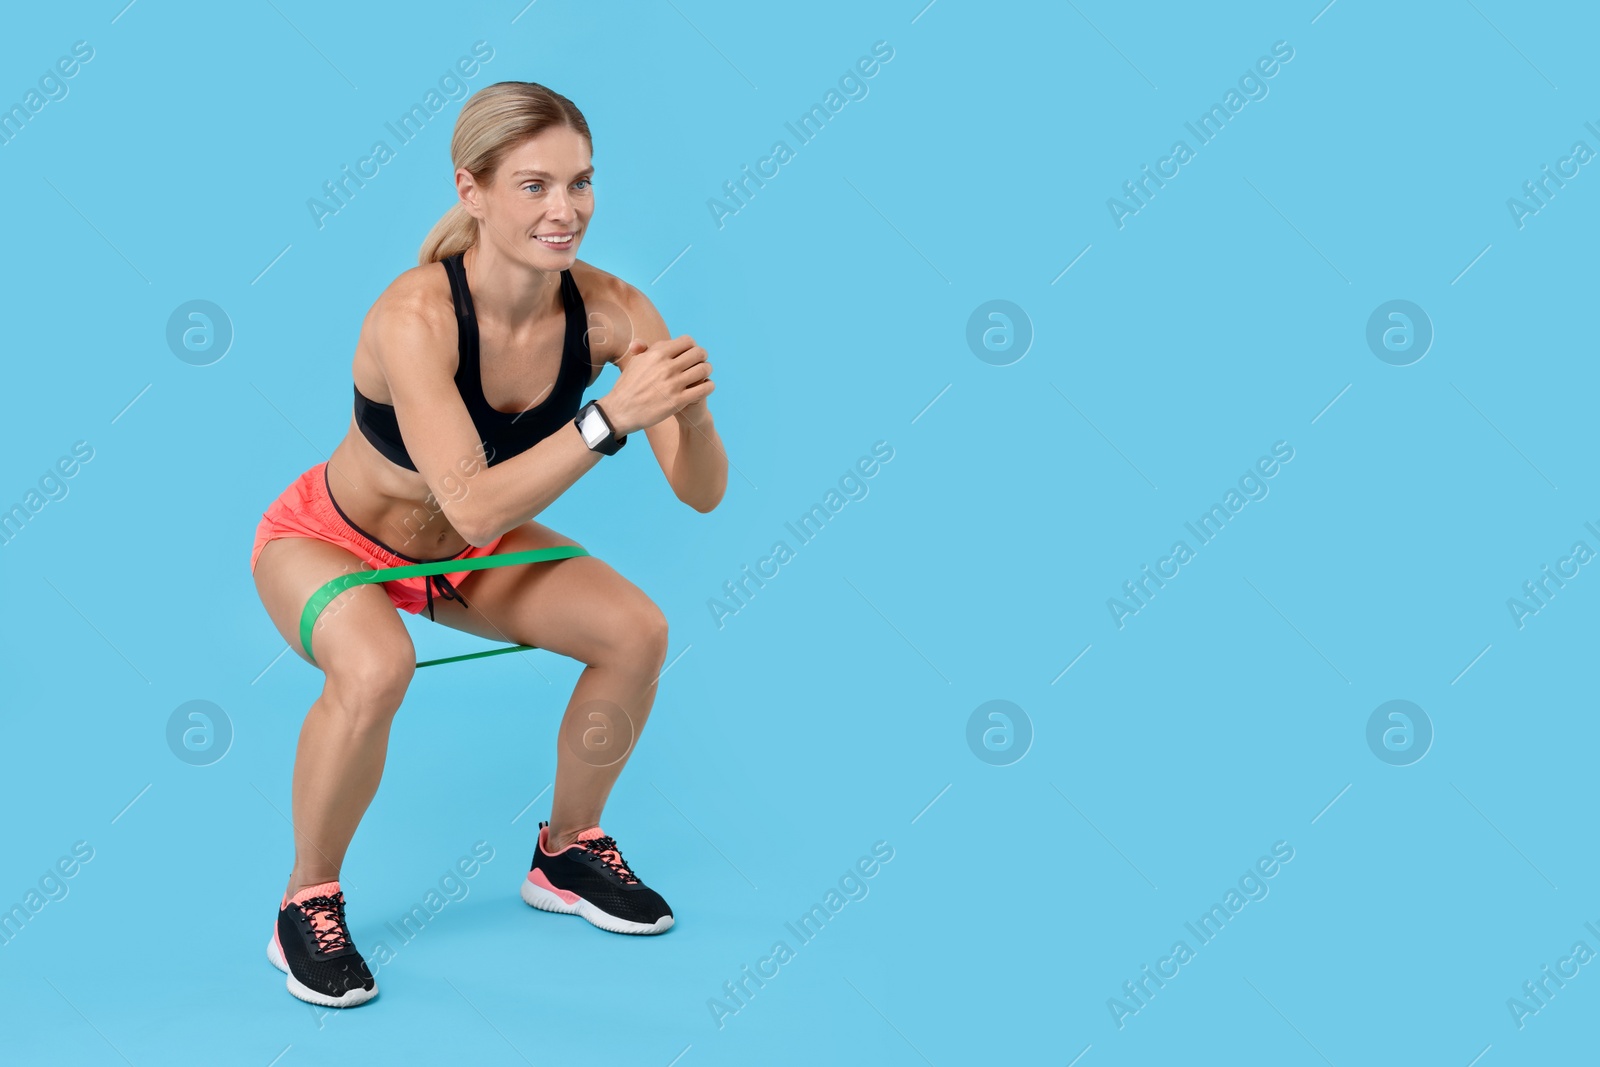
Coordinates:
<point>325,595</point>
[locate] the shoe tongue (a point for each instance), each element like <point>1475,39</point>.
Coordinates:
<point>591,833</point>
<point>325,889</point>
<point>319,918</point>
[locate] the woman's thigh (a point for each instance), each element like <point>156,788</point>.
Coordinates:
<point>578,607</point>
<point>358,638</point>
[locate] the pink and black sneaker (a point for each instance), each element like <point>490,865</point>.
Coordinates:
<point>312,945</point>
<point>590,878</point>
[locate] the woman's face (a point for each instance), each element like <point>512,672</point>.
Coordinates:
<point>537,207</point>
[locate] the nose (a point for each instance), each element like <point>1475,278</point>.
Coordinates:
<point>560,207</point>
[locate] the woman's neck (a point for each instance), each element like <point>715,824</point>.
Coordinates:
<point>510,291</point>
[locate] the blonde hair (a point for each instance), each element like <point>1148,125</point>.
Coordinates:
<point>492,123</point>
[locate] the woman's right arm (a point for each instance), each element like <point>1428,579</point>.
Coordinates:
<point>415,341</point>
<point>415,346</point>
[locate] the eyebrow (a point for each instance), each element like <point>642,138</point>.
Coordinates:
<point>542,174</point>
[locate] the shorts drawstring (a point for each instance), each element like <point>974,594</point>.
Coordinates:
<point>446,592</point>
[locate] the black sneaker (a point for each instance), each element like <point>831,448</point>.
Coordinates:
<point>590,878</point>
<point>312,945</point>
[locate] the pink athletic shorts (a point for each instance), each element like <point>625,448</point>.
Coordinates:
<point>307,509</point>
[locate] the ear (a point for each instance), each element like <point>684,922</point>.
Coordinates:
<point>467,193</point>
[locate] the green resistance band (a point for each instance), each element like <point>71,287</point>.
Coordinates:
<point>324,596</point>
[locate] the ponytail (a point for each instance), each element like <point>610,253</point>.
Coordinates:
<point>453,234</point>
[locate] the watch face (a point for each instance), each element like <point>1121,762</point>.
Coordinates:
<point>593,427</point>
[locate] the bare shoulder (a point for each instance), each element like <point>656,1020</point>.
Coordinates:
<point>617,310</point>
<point>411,323</point>
<point>417,297</point>
<point>414,315</point>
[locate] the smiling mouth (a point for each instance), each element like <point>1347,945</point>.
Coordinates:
<point>556,240</point>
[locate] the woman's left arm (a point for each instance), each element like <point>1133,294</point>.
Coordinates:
<point>686,445</point>
<point>691,456</point>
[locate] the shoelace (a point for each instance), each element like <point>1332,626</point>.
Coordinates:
<point>331,934</point>
<point>611,856</point>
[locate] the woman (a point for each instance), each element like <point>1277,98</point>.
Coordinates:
<point>468,382</point>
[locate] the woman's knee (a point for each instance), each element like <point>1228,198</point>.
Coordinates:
<point>649,626</point>
<point>636,631</point>
<point>368,685</point>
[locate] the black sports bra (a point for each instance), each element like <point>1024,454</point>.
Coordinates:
<point>503,434</point>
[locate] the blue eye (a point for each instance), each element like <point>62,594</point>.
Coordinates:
<point>531,186</point>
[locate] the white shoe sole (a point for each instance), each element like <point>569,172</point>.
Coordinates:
<point>311,996</point>
<point>541,898</point>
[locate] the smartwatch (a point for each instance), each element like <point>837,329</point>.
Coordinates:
<point>596,429</point>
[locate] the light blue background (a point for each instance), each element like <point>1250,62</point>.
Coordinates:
<point>1229,714</point>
